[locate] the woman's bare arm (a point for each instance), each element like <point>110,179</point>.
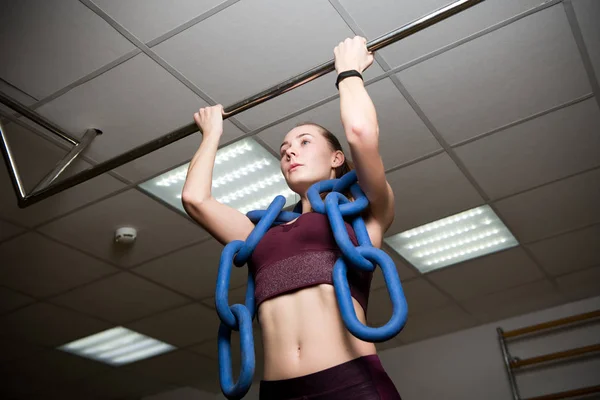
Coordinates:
<point>224,223</point>
<point>359,119</point>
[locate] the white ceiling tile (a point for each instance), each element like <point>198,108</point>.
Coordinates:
<point>48,45</point>
<point>35,157</point>
<point>581,284</point>
<point>15,94</point>
<point>160,160</point>
<point>440,321</point>
<point>209,348</point>
<point>4,111</point>
<point>27,146</point>
<point>171,156</point>
<point>326,115</point>
<point>10,300</point>
<point>159,228</point>
<point>555,208</point>
<point>487,274</point>
<point>551,147</point>
<point>16,386</point>
<point>516,301</point>
<point>180,327</point>
<point>120,384</point>
<point>297,99</point>
<point>120,298</point>
<point>527,67</point>
<point>193,270</point>
<point>420,296</point>
<point>236,295</point>
<point>429,190</point>
<point>188,393</point>
<point>179,368</point>
<point>404,272</point>
<point>132,104</point>
<point>8,230</point>
<point>50,269</point>
<point>588,14</point>
<point>253,45</point>
<point>402,135</point>
<point>382,16</point>
<point>149,19</point>
<point>57,367</point>
<point>14,349</point>
<point>49,325</point>
<point>62,393</point>
<point>569,252</point>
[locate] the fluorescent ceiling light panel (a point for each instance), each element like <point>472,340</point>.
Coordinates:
<point>245,176</point>
<point>117,346</point>
<point>454,239</point>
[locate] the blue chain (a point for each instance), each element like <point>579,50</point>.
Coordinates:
<point>365,257</point>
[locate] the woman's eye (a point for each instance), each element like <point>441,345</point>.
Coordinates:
<point>304,141</point>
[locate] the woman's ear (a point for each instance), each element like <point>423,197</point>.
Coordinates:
<point>338,159</point>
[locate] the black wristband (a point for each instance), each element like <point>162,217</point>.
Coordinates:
<point>346,74</point>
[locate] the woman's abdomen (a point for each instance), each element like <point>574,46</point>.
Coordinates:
<point>303,332</point>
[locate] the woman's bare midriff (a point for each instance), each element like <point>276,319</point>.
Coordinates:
<point>303,332</point>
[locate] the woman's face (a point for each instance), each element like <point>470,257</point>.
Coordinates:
<point>307,158</point>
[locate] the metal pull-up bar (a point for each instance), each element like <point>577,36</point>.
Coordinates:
<point>46,188</point>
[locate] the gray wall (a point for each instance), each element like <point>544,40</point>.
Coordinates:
<point>469,365</point>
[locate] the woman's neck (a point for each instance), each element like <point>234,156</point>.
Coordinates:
<point>306,207</point>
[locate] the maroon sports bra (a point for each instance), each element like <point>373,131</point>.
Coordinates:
<point>302,254</point>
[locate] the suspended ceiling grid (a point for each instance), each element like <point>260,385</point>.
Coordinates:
<point>498,105</point>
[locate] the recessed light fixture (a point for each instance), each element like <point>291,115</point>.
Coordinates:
<point>117,346</point>
<point>454,239</point>
<point>245,176</point>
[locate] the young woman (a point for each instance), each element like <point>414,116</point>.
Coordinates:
<point>308,352</point>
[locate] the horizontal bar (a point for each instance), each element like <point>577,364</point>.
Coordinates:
<point>377,44</point>
<point>37,118</point>
<point>568,393</point>
<point>552,324</point>
<point>555,356</point>
<point>277,90</point>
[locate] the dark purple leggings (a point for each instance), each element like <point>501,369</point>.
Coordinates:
<point>360,379</point>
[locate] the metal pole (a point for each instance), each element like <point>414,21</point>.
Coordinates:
<point>374,45</point>
<point>63,164</point>
<point>37,118</point>
<point>557,323</point>
<point>11,165</point>
<point>559,355</point>
<point>506,356</point>
<point>260,98</point>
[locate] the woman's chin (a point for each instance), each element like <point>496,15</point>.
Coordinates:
<point>300,185</point>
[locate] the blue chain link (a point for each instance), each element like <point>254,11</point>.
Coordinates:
<point>365,257</point>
